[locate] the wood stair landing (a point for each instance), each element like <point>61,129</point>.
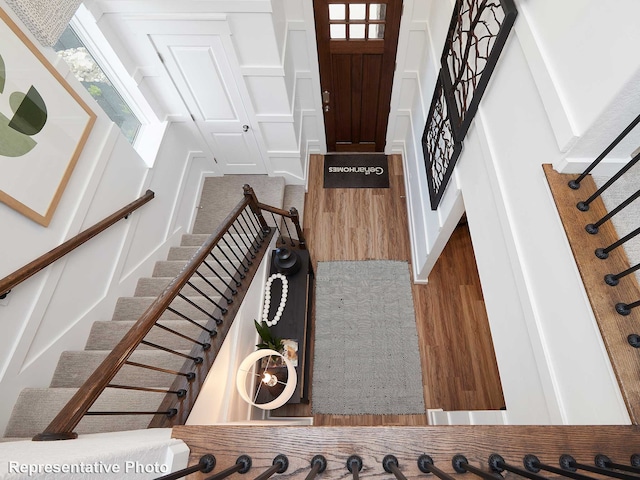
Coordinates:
<point>614,328</point>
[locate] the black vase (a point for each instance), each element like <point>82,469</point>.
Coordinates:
<point>287,261</point>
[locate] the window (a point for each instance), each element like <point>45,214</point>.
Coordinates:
<point>85,68</point>
<point>360,21</point>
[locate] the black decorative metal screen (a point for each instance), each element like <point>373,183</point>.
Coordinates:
<point>477,34</point>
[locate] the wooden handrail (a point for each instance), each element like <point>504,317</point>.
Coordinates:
<point>20,275</point>
<point>62,426</point>
<point>292,215</point>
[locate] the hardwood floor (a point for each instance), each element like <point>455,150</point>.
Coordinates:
<point>456,350</point>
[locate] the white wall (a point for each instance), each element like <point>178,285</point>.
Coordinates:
<point>53,311</point>
<point>551,359</point>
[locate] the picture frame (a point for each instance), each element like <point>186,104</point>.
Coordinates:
<point>44,125</point>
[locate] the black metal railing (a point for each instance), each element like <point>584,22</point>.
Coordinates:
<point>495,465</point>
<point>232,254</point>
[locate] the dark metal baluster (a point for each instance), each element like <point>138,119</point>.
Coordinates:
<point>390,465</point>
<point>180,393</point>
<point>613,280</point>
<point>224,310</point>
<point>198,307</point>
<point>205,346</point>
<point>280,465</point>
<point>205,465</point>
<point>256,226</point>
<point>242,275</point>
<point>249,262</point>
<point>497,464</point>
<point>532,464</point>
<point>592,228</point>
<point>278,229</point>
<point>246,245</point>
<point>354,465</point>
<point>196,360</point>
<point>253,205</point>
<point>567,462</point>
<point>625,308</point>
<point>189,375</point>
<point>212,333</point>
<point>225,270</point>
<point>603,461</point>
<point>233,290</point>
<point>575,184</point>
<point>603,253</point>
<point>242,465</point>
<point>425,464</point>
<point>584,206</point>
<point>634,340</point>
<point>172,412</point>
<point>318,465</point>
<point>208,282</point>
<point>284,221</point>
<point>257,241</point>
<point>461,465</point>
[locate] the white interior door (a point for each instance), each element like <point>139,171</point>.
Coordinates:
<point>203,74</point>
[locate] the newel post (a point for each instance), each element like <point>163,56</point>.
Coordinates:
<point>253,204</point>
<point>295,218</point>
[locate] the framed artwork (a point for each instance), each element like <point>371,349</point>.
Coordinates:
<point>477,34</point>
<point>44,125</point>
<point>439,146</point>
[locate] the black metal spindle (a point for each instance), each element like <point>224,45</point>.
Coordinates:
<point>172,412</point>
<point>196,360</point>
<point>235,254</point>
<point>242,465</point>
<point>532,464</point>
<point>497,464</point>
<point>584,205</point>
<point>390,465</point>
<point>567,462</point>
<point>613,280</point>
<point>253,205</point>
<point>603,461</point>
<point>256,226</point>
<point>208,282</point>
<point>625,308</point>
<point>275,222</point>
<point>575,184</point>
<point>279,465</point>
<point>179,393</point>
<point>242,239</point>
<point>226,271</point>
<point>318,465</point>
<point>603,253</point>
<point>205,465</point>
<point>284,221</point>
<point>212,333</point>
<point>257,241</point>
<point>205,346</point>
<point>593,228</point>
<point>198,307</point>
<point>233,290</point>
<point>461,465</point>
<point>425,465</point>
<point>204,295</point>
<point>354,465</point>
<point>190,376</point>
<point>242,275</point>
<point>634,340</point>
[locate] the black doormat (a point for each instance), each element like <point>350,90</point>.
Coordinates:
<point>362,170</point>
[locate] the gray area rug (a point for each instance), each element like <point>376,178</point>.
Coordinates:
<point>366,343</point>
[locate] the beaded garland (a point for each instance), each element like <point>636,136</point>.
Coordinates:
<point>267,299</point>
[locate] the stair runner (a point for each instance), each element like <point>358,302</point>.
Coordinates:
<point>36,407</point>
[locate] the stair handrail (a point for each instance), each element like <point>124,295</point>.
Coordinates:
<point>62,426</point>
<point>13,279</point>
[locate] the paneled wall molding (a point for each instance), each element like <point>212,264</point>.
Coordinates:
<point>178,24</point>
<point>260,71</point>
<point>282,118</point>
<point>101,7</point>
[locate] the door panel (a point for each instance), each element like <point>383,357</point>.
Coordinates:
<point>357,42</point>
<point>200,68</point>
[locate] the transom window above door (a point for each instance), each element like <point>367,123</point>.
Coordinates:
<point>357,21</point>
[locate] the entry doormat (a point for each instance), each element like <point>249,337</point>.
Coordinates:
<point>366,358</point>
<point>362,170</point>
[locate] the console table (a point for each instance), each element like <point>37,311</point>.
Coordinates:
<point>294,322</point>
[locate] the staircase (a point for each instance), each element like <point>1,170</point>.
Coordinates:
<point>36,407</point>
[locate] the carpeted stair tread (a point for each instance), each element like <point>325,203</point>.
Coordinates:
<point>196,240</point>
<point>76,366</point>
<point>294,197</point>
<point>131,308</point>
<point>36,407</point>
<point>221,194</point>
<point>152,287</point>
<point>106,335</point>
<point>185,253</point>
<point>171,268</point>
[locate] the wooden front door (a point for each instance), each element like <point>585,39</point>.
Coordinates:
<point>357,42</point>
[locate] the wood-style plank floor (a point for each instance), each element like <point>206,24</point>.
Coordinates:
<point>458,363</point>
